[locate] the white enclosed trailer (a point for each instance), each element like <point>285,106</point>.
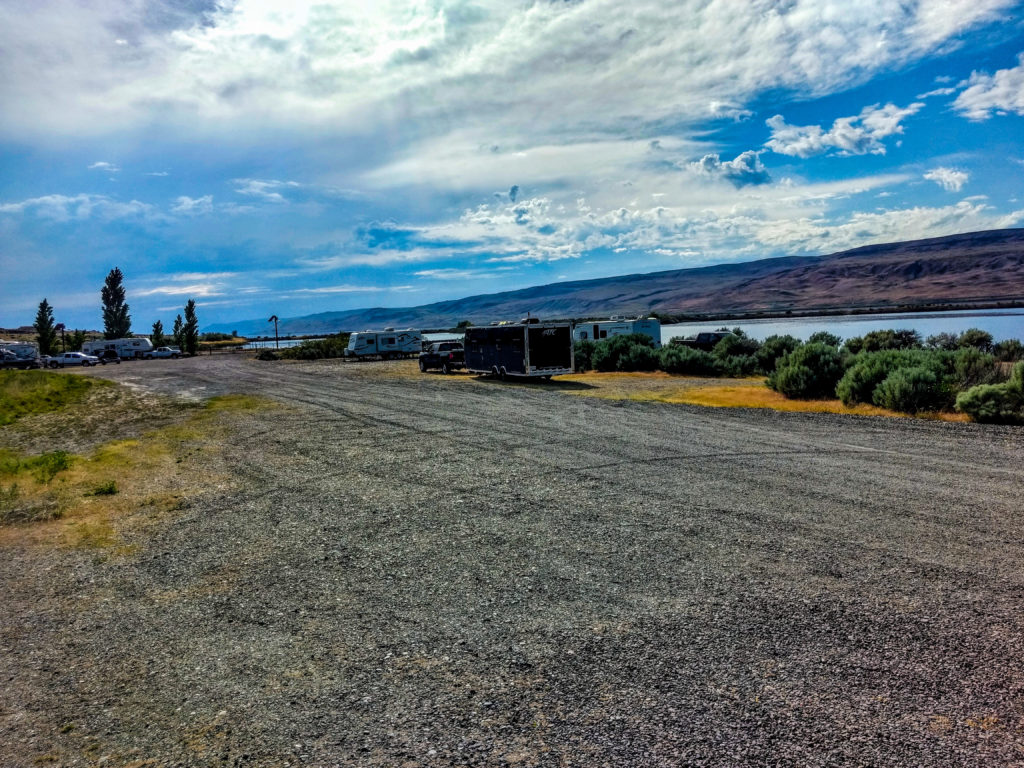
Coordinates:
<point>618,326</point>
<point>386,345</point>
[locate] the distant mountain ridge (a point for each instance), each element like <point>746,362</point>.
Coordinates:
<point>972,267</point>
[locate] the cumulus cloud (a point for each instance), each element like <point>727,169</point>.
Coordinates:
<point>949,179</point>
<point>857,135</point>
<point>986,95</point>
<point>63,208</point>
<point>193,206</point>
<point>745,168</point>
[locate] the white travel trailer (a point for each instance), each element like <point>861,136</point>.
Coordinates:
<point>127,349</point>
<point>618,326</point>
<point>387,344</point>
<point>25,352</point>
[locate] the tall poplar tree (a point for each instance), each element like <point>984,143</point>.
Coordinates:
<point>179,338</point>
<point>117,323</point>
<point>190,331</point>
<point>46,332</point>
<point>157,337</point>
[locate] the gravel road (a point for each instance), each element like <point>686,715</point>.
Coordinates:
<point>423,570</point>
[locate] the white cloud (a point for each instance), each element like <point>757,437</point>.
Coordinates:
<point>102,165</point>
<point>193,206</point>
<point>80,207</point>
<point>194,290</point>
<point>745,168</point>
<point>949,179</point>
<point>463,274</point>
<point>936,92</point>
<point>857,135</point>
<point>264,189</point>
<point>355,65</point>
<point>986,94</point>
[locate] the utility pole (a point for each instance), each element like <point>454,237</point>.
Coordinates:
<point>273,319</point>
<point>60,327</point>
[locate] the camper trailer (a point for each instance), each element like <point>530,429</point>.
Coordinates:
<point>529,348</point>
<point>388,344</point>
<point>130,348</point>
<point>618,326</point>
<point>20,354</point>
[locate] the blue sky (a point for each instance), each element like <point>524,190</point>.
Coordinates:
<point>267,158</point>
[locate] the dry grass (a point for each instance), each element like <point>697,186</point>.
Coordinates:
<point>718,393</point>
<point>153,474</point>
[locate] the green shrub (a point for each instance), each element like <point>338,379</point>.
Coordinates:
<point>638,357</point>
<point>46,466</point>
<point>688,361</point>
<point>1009,351</point>
<point>824,337</point>
<point>869,369</point>
<point>268,354</point>
<point>772,349</point>
<point>607,352</point>
<point>910,390</point>
<point>875,341</point>
<point>977,338</point>
<point>971,367</point>
<point>583,353</point>
<point>809,371</point>
<point>946,341</point>
<point>996,403</point>
<point>735,346</point>
<point>738,366</point>
<point>318,349</point>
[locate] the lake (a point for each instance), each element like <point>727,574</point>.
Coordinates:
<point>1001,323</point>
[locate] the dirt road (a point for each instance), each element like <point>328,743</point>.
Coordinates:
<point>431,571</point>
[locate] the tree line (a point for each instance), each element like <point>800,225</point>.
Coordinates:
<point>117,322</point>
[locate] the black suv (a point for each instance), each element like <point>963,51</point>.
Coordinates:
<point>705,340</point>
<point>108,356</point>
<point>446,355</point>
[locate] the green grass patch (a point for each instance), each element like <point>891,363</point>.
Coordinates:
<point>109,488</point>
<point>23,393</point>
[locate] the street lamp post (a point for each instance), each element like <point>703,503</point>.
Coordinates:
<point>273,319</point>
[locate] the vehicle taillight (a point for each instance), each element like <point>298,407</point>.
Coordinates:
<point>451,355</point>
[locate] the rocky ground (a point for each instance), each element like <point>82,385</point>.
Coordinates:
<point>444,571</point>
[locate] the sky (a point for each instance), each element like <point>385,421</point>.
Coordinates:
<point>268,158</point>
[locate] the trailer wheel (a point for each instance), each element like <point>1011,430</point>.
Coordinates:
<point>503,374</point>
<point>445,369</point>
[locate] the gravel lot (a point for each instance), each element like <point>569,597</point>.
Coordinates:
<point>423,570</point>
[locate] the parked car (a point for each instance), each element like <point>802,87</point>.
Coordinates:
<point>446,355</point>
<point>109,356</point>
<point>161,352</point>
<point>77,358</point>
<point>705,340</point>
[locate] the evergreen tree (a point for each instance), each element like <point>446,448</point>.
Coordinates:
<point>178,333</point>
<point>158,337</point>
<point>190,330</point>
<point>46,333</point>
<point>76,340</point>
<point>117,323</point>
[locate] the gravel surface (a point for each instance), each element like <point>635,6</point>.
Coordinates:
<point>424,570</point>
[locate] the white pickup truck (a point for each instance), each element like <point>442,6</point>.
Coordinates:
<point>153,354</point>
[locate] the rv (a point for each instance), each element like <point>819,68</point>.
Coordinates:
<point>386,345</point>
<point>20,354</point>
<point>529,348</point>
<point>127,349</point>
<point>618,326</point>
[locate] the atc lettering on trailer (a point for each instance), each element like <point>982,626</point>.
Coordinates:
<point>529,349</point>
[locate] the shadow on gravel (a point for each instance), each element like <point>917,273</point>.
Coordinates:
<point>534,383</point>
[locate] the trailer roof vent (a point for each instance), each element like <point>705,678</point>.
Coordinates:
<point>529,320</point>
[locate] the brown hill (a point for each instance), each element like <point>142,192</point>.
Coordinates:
<point>977,267</point>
